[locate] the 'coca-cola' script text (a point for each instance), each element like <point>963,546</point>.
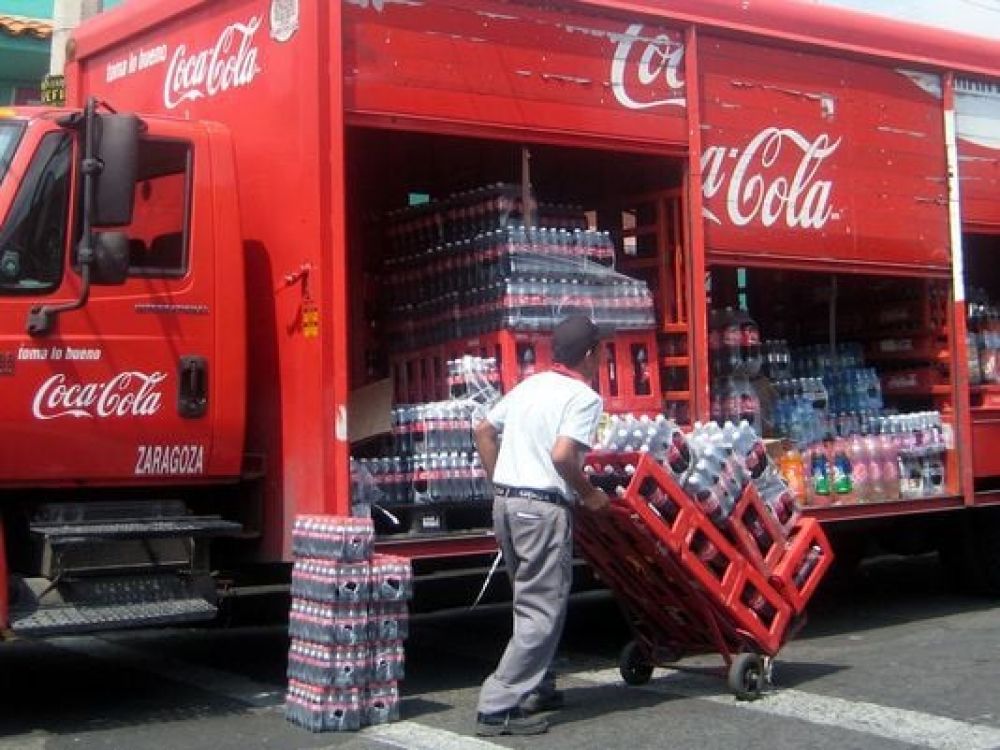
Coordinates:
<point>230,63</point>
<point>656,67</point>
<point>777,176</point>
<point>128,394</point>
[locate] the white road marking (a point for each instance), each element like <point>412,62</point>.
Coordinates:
<point>228,684</point>
<point>898,724</point>
<point>34,741</point>
<point>414,736</point>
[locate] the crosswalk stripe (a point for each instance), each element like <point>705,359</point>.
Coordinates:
<point>899,724</point>
<point>414,736</point>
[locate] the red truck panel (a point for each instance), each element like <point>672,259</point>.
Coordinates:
<point>977,104</point>
<point>265,76</point>
<point>96,401</point>
<point>812,157</point>
<point>516,66</point>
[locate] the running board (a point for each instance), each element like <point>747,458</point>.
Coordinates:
<point>42,608</point>
<point>97,531</point>
<point>121,538</point>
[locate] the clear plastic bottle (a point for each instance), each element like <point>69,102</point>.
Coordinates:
<point>858,455</point>
<point>890,443</point>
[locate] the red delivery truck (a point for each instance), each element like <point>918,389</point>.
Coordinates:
<point>252,209</point>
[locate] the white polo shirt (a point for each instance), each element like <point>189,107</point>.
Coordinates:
<point>537,411</point>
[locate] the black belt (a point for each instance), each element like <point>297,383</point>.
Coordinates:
<point>527,493</point>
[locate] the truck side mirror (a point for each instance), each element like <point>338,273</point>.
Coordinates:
<point>117,149</point>
<point>111,258</point>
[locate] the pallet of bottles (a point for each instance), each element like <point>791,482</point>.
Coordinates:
<point>696,583</point>
<point>347,625</point>
<point>628,379</point>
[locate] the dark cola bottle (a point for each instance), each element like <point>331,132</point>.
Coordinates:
<point>527,361</point>
<point>679,452</point>
<point>642,379</point>
<point>812,559</point>
<point>710,555</point>
<point>659,500</point>
<point>755,525</point>
<point>759,604</point>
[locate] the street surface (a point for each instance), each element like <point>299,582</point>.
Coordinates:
<point>893,660</point>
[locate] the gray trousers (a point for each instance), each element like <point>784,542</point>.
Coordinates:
<point>536,540</point>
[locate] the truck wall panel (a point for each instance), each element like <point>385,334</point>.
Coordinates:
<point>228,61</point>
<point>516,66</point>
<point>865,141</point>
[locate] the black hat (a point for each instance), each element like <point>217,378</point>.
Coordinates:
<point>572,338</point>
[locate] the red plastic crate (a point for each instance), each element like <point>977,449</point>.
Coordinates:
<point>796,583</point>
<point>420,376</point>
<point>617,381</point>
<point>756,531</point>
<point>691,553</point>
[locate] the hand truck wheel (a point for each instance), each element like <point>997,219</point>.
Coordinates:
<point>747,676</point>
<point>634,666</point>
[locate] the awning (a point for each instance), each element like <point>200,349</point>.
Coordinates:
<point>37,28</point>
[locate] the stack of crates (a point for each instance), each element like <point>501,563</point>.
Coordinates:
<point>347,626</point>
<point>758,573</point>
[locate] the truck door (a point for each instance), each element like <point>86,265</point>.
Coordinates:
<point>119,390</point>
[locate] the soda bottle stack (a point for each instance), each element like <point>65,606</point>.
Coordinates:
<point>347,625</point>
<point>474,379</point>
<point>984,339</point>
<point>735,356</point>
<point>470,265</point>
<point>433,458</point>
<point>920,445</point>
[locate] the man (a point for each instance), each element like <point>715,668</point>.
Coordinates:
<point>548,423</point>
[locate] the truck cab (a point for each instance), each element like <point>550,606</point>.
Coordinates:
<point>122,359</point>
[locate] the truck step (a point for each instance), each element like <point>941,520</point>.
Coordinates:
<point>58,533</point>
<point>72,619</point>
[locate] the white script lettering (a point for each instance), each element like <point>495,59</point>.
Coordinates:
<point>658,63</point>
<point>756,189</point>
<point>128,394</point>
<point>231,63</point>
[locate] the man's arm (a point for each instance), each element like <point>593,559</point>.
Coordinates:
<point>488,443</point>
<point>567,457</point>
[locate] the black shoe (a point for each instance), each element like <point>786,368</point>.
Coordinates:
<point>513,722</point>
<point>538,701</point>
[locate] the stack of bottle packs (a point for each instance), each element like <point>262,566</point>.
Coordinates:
<point>347,626</point>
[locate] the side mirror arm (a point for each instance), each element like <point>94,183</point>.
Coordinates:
<point>42,318</point>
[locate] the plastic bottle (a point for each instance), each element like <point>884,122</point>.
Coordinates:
<point>703,486</point>
<point>819,476</point>
<point>857,453</point>
<point>527,363</point>
<point>642,382</point>
<point>889,447</point>
<point>731,342</point>
<point>793,471</point>
<point>750,354</point>
<point>841,472</point>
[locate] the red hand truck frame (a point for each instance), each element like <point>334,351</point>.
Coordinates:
<point>686,588</point>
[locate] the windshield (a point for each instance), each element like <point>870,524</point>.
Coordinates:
<point>10,134</point>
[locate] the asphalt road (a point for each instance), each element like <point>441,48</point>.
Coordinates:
<point>890,659</point>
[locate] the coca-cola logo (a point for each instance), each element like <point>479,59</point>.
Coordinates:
<point>230,63</point>
<point>776,177</point>
<point>128,394</point>
<point>653,69</point>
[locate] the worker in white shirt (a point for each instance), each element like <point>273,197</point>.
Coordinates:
<point>548,423</point>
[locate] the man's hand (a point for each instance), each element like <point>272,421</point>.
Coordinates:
<point>596,499</point>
